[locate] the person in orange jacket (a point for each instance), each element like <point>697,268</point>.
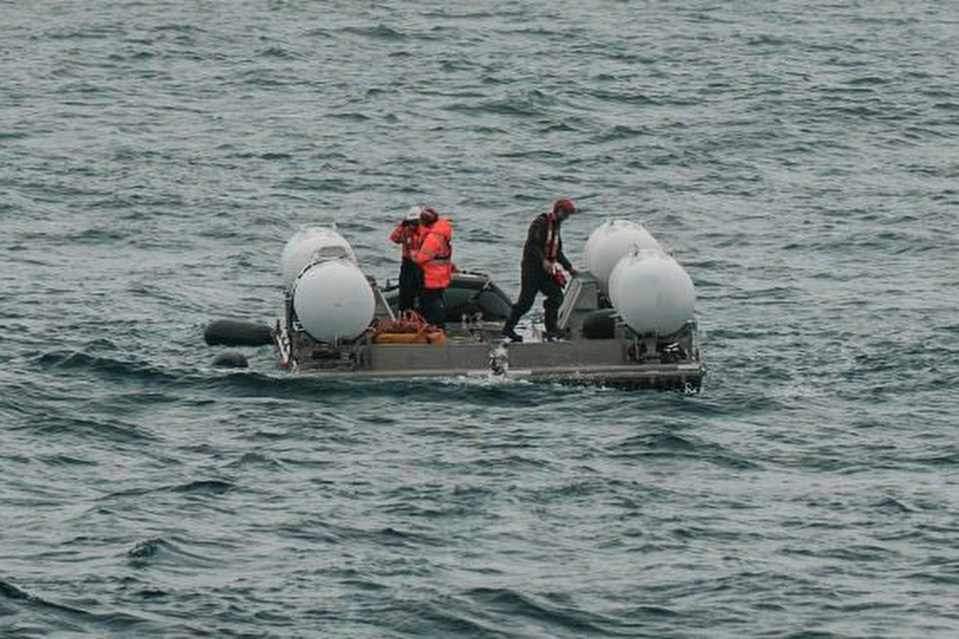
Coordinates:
<point>407,235</point>
<point>435,257</point>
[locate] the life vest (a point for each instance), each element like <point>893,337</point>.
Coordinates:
<point>553,244</point>
<point>435,254</point>
<point>409,237</point>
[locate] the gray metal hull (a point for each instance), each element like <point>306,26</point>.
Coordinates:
<point>579,362</point>
<point>618,358</point>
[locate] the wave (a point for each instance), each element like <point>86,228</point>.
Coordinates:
<point>55,618</point>
<point>194,487</point>
<point>525,608</point>
<point>72,360</point>
<point>522,106</point>
<point>379,32</point>
<point>167,552</point>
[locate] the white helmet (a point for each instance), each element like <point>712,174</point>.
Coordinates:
<point>413,215</point>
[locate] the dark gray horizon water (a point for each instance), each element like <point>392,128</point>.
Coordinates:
<point>799,159</point>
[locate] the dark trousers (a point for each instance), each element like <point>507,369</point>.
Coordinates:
<point>432,306</point>
<point>411,284</point>
<point>535,279</point>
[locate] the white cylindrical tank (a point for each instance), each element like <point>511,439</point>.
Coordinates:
<point>312,244</point>
<point>333,300</point>
<point>652,292</point>
<point>610,242</point>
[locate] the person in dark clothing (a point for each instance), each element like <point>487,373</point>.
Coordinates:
<point>542,269</point>
<point>407,234</point>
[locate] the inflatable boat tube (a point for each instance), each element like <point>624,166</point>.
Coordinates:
<point>469,293</point>
<point>227,332</point>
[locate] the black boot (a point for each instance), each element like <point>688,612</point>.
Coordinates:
<point>510,332</point>
<point>509,328</point>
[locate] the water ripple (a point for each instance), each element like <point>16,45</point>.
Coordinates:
<point>794,157</point>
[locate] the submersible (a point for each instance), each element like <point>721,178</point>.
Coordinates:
<point>628,317</point>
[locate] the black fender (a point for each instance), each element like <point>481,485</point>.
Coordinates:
<point>227,332</point>
<point>600,324</point>
<point>230,359</point>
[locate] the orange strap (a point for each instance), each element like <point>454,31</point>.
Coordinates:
<point>552,238</point>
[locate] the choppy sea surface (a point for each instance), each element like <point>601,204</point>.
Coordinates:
<point>800,159</point>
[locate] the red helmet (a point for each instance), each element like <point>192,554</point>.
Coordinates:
<point>428,215</point>
<point>563,205</point>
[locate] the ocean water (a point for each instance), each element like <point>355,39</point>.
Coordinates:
<point>800,159</point>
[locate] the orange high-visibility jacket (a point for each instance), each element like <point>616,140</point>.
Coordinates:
<point>435,254</point>
<point>409,237</point>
